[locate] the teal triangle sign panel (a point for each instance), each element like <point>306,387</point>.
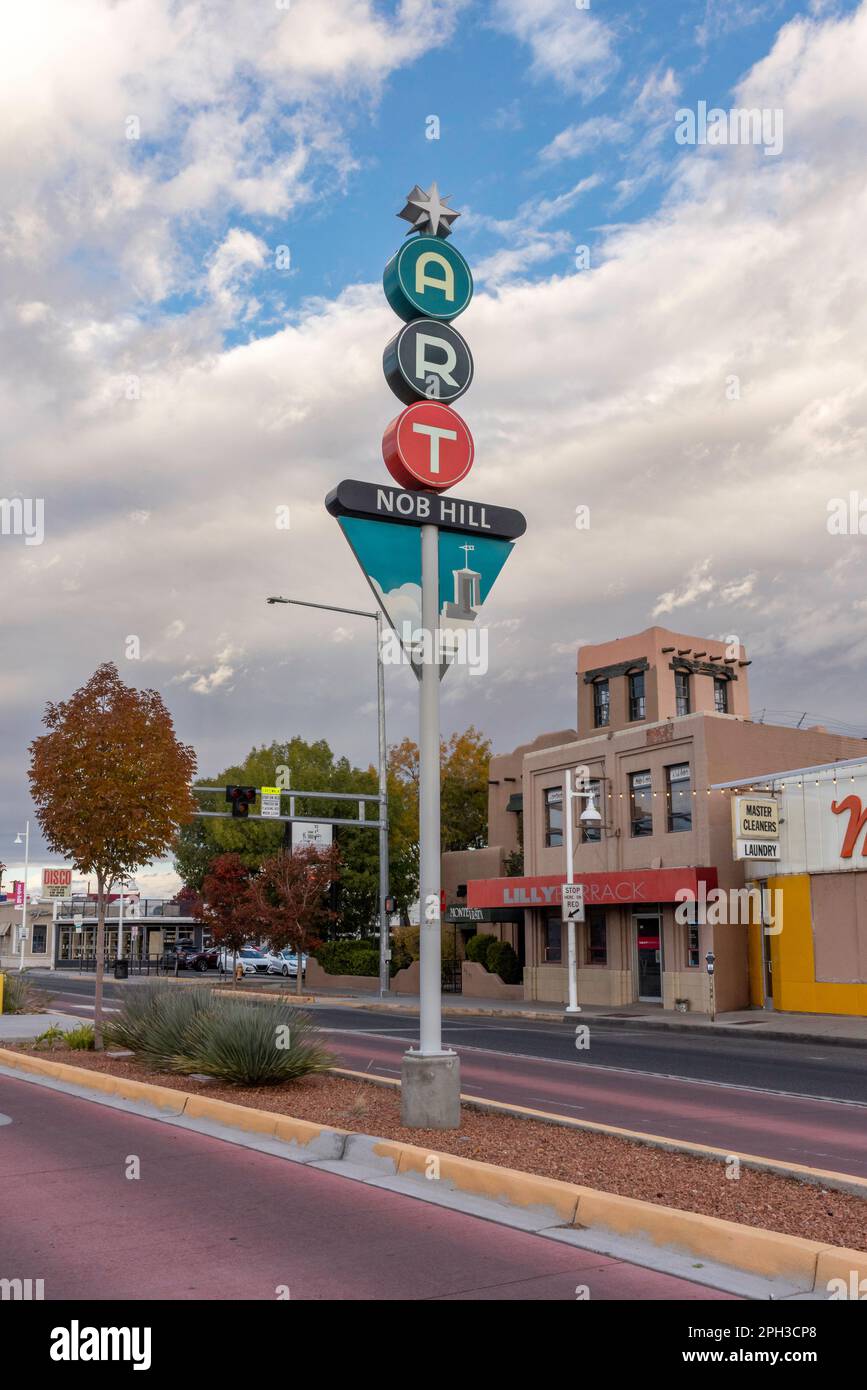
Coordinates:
<point>390,556</point>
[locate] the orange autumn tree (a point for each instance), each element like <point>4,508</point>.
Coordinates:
<point>111,784</point>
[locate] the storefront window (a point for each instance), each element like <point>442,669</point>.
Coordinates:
<point>678,794</point>
<point>636,695</point>
<point>40,944</point>
<point>553,938</point>
<point>640,804</point>
<point>601,704</point>
<point>681,692</point>
<point>553,816</point>
<point>720,695</point>
<point>597,944</point>
<point>591,831</point>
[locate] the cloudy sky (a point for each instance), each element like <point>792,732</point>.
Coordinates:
<point>198,198</point>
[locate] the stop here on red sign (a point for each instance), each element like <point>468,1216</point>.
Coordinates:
<point>428,446</point>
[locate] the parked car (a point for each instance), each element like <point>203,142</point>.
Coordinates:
<point>251,960</point>
<point>285,962</point>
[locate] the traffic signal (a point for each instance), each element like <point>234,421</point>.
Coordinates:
<point>241,799</point>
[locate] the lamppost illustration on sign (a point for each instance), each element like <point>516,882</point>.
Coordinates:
<point>427,557</point>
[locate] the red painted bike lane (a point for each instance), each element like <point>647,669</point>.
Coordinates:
<point>209,1220</point>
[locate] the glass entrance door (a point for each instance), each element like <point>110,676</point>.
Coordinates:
<point>648,928</point>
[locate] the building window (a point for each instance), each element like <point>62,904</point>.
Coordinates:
<point>720,695</point>
<point>597,945</point>
<point>591,831</point>
<point>553,938</point>
<point>636,695</point>
<point>678,795</point>
<point>601,704</point>
<point>39,941</point>
<point>553,816</point>
<point>681,692</point>
<point>693,955</point>
<point>640,804</point>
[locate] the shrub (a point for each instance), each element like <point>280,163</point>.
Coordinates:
<point>407,938</point>
<point>477,948</point>
<point>250,1044</point>
<point>187,1030</point>
<point>502,960</point>
<point>349,957</point>
<point>80,1039</point>
<point>155,1020</point>
<point>401,959</point>
<point>51,1038</point>
<point>20,996</point>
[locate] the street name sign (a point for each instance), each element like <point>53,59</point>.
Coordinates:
<point>383,503</point>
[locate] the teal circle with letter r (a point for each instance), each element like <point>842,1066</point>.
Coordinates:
<point>427,278</point>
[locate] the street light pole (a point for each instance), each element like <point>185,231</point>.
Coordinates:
<point>24,909</point>
<point>384,945</point>
<point>588,815</point>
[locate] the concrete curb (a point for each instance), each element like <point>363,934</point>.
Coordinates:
<point>816,1177</point>
<point>810,1264</point>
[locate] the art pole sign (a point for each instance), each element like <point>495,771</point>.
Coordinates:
<point>430,560</point>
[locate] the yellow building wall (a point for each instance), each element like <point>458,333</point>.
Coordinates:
<point>793,966</point>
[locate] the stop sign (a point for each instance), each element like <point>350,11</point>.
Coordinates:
<point>428,446</point>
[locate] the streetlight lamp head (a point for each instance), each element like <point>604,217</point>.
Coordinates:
<point>590,813</point>
<point>19,839</point>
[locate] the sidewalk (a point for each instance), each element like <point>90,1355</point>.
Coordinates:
<point>22,1027</point>
<point>829,1029</point>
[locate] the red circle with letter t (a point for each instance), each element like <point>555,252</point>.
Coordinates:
<point>428,446</point>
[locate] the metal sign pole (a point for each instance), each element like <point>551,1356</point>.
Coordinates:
<point>430,1077</point>
<point>384,941</point>
<point>570,925</point>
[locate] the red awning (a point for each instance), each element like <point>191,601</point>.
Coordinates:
<point>634,886</point>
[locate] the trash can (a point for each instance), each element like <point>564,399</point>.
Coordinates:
<point>121,970</point>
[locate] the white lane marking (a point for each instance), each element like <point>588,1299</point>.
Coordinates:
<point>628,1071</point>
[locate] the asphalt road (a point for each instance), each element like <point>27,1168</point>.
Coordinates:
<point>795,1102</point>
<point>208,1220</point>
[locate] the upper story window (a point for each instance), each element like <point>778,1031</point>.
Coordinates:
<point>636,694</point>
<point>678,795</point>
<point>601,704</point>
<point>640,804</point>
<point>720,695</point>
<point>681,692</point>
<point>553,816</point>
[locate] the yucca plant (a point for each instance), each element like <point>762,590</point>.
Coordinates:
<point>20,996</point>
<point>155,1022</point>
<point>255,1044</point>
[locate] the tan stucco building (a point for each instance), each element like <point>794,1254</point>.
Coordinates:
<point>661,717</point>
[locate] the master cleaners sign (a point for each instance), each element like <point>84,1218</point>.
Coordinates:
<point>756,827</point>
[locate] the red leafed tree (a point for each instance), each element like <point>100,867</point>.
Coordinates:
<point>291,896</point>
<point>111,785</point>
<point>227,906</point>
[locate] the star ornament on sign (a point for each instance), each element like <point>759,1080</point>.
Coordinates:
<point>428,212</point>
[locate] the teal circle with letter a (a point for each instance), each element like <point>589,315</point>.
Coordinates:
<point>427,278</point>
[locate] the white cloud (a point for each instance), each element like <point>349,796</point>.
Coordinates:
<point>570,46</point>
<point>584,138</point>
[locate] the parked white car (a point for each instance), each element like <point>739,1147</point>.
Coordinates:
<point>251,961</point>
<point>285,962</point>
